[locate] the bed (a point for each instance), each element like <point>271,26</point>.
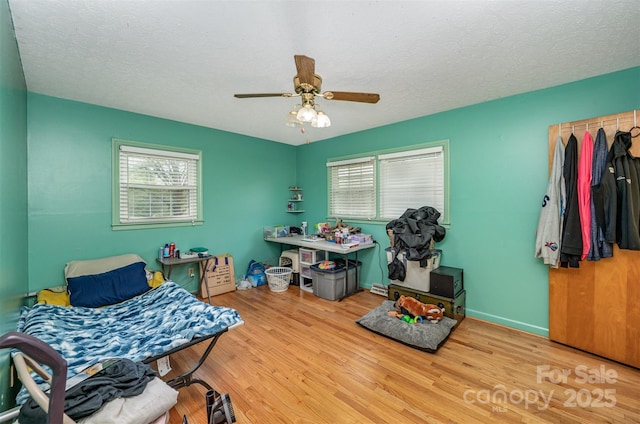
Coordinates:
<point>151,324</point>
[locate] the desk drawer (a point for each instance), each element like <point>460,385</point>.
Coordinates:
<point>305,271</point>
<point>311,256</point>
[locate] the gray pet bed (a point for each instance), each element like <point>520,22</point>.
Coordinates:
<point>427,336</point>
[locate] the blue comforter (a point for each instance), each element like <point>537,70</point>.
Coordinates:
<point>142,327</point>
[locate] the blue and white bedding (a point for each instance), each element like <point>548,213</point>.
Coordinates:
<point>139,328</point>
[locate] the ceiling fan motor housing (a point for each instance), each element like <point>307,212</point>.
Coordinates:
<point>308,88</point>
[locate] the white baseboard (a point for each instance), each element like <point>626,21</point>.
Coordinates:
<point>541,331</point>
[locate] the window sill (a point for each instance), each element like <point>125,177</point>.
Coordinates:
<point>140,226</point>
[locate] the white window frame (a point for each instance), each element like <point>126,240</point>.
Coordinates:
<point>432,184</point>
<point>123,151</point>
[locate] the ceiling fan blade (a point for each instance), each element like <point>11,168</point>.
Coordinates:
<point>306,68</point>
<point>247,96</point>
<point>351,97</point>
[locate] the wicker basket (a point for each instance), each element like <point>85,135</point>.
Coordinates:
<point>278,278</point>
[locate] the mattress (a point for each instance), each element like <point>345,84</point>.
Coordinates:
<point>148,325</point>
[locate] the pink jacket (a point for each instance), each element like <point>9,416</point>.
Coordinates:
<point>584,191</point>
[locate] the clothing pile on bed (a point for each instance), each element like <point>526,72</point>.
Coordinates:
<point>122,379</point>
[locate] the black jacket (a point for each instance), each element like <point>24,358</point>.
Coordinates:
<point>571,247</point>
<point>627,174</point>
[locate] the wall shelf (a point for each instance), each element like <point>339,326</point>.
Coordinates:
<point>294,198</point>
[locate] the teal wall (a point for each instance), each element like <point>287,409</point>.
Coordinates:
<point>499,163</point>
<point>498,153</point>
<point>13,190</point>
<point>245,183</point>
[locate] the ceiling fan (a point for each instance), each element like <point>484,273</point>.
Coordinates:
<point>307,85</point>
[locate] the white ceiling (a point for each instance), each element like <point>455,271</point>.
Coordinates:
<point>184,60</point>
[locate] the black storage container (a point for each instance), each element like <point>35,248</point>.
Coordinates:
<point>447,281</point>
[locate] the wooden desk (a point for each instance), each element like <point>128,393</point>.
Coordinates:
<point>202,267</point>
<point>327,247</point>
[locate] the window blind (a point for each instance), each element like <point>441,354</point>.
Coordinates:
<point>157,185</point>
<point>352,188</point>
<point>411,179</point>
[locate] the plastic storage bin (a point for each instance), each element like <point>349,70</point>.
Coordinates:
<point>311,256</point>
<point>275,231</point>
<point>331,284</point>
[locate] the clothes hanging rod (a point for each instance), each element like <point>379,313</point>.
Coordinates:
<point>623,117</point>
<point>597,123</point>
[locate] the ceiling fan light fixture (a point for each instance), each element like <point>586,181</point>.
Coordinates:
<point>292,120</point>
<point>307,85</point>
<point>321,121</point>
<point>307,113</point>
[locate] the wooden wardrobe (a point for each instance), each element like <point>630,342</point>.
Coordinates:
<point>596,307</point>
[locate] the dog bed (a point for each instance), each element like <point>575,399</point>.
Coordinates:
<point>423,336</point>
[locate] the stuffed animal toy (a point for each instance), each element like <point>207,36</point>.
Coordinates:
<point>409,306</point>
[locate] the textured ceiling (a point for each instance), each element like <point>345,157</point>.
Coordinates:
<point>184,60</point>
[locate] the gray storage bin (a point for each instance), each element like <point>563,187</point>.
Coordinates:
<point>330,284</point>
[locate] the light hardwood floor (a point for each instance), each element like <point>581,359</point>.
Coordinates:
<point>303,359</point>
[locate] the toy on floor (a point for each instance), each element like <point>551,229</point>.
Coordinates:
<point>327,265</point>
<point>412,310</point>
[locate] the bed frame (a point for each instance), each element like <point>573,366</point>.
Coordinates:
<point>95,270</point>
<point>186,379</point>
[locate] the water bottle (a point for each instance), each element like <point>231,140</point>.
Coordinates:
<point>161,253</point>
<point>165,252</point>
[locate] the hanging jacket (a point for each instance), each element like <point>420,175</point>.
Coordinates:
<point>599,246</point>
<point>584,191</point>
<point>627,174</point>
<point>549,232</point>
<point>605,197</point>
<point>571,247</point>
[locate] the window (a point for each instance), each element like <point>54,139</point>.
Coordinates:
<point>155,185</point>
<point>382,186</point>
<point>352,188</point>
<point>411,179</point>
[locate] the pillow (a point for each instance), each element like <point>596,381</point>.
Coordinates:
<point>110,287</point>
<point>98,266</point>
<point>156,279</point>
<point>427,337</point>
<point>53,297</point>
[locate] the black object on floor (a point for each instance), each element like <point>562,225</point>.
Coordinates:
<point>219,408</point>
